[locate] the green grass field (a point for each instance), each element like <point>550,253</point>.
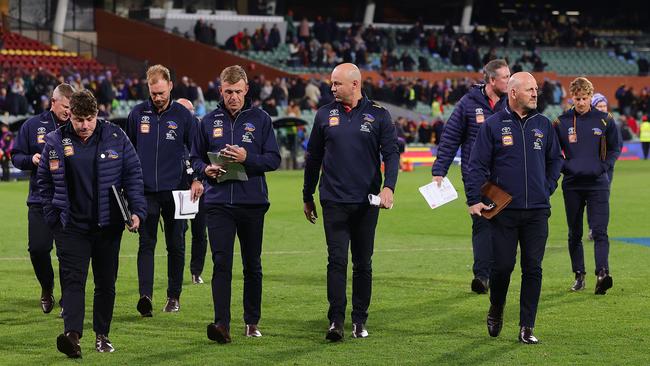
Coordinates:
<point>422,312</point>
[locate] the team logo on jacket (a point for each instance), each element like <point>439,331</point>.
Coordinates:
<point>144,124</point>
<point>506,131</point>
<point>217,132</point>
<point>68,149</point>
<point>367,117</point>
<point>249,127</point>
<point>171,135</point>
<point>597,131</point>
<point>247,137</point>
<point>538,133</point>
<point>172,125</point>
<point>54,164</point>
<point>334,112</point>
<point>537,145</point>
<point>334,121</point>
<point>112,154</point>
<point>40,135</point>
<point>571,133</point>
<point>480,117</point>
<point>54,160</point>
<point>507,140</point>
<point>217,123</point>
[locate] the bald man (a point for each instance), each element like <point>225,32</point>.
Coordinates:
<point>516,149</point>
<point>349,139</point>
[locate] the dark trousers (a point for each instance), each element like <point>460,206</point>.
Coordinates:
<point>199,241</point>
<point>597,203</point>
<point>353,226</point>
<point>75,250</point>
<point>529,228</point>
<point>645,146</point>
<point>247,222</point>
<point>481,246</point>
<point>40,241</point>
<point>161,204</point>
<point>4,162</point>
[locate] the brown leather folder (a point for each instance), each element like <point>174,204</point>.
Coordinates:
<point>496,196</point>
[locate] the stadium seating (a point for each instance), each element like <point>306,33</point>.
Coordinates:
<point>24,53</point>
<point>564,61</point>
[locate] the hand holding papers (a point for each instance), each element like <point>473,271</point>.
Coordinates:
<point>438,196</point>
<point>230,169</point>
<point>184,207</point>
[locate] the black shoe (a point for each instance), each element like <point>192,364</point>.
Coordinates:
<point>579,283</point>
<point>219,333</point>
<point>359,330</point>
<point>172,305</point>
<point>145,306</point>
<point>526,336</point>
<point>480,285</point>
<point>103,344</point>
<point>196,279</point>
<point>335,332</point>
<point>68,344</point>
<point>47,301</point>
<point>603,282</point>
<point>495,320</point>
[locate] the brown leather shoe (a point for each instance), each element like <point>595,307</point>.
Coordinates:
<point>145,306</point>
<point>335,332</point>
<point>252,331</point>
<point>219,333</point>
<point>495,320</point>
<point>172,305</point>
<point>47,301</point>
<point>526,336</point>
<point>103,344</point>
<point>68,344</point>
<point>359,330</point>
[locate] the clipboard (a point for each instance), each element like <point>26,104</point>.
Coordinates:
<point>123,205</point>
<point>234,171</point>
<point>496,197</point>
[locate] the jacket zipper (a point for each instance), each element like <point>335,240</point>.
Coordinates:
<point>523,137</point>
<point>157,143</point>
<point>159,118</point>
<point>232,142</point>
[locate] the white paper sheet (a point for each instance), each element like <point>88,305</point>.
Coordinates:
<point>184,207</point>
<point>438,196</point>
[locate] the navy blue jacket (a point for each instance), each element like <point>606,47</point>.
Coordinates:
<point>161,142</point>
<point>251,129</point>
<point>117,164</point>
<point>461,129</point>
<point>583,167</point>
<point>520,156</point>
<point>348,146</point>
<point>30,141</point>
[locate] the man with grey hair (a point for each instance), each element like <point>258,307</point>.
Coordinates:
<point>26,156</point>
<point>516,149</point>
<point>460,130</point>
